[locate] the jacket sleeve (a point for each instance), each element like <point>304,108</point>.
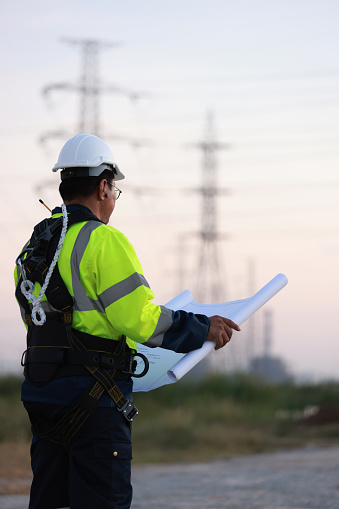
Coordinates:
<point>126,298</point>
<point>187,332</point>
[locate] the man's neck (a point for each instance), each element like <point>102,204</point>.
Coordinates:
<point>91,204</point>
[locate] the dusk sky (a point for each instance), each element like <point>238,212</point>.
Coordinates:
<point>267,70</point>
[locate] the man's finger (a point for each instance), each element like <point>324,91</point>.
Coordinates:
<point>228,331</point>
<point>231,324</point>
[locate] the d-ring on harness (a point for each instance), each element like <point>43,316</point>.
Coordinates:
<point>132,361</point>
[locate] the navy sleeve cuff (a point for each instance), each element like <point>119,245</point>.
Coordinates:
<point>188,332</point>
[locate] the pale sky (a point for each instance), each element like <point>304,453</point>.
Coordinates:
<point>269,72</point>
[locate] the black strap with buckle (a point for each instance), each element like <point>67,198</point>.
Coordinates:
<point>65,357</point>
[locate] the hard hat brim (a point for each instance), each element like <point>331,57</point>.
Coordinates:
<point>81,172</point>
<point>95,172</point>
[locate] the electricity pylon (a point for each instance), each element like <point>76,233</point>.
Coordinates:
<point>210,285</point>
<point>90,89</point>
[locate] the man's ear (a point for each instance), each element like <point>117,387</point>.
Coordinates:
<point>101,190</point>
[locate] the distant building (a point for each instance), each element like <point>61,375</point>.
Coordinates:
<point>272,369</point>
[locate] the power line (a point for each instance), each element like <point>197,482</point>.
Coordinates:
<point>241,78</point>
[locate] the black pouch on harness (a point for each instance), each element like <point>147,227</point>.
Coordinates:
<point>36,258</point>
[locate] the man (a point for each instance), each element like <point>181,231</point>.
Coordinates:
<point>86,303</point>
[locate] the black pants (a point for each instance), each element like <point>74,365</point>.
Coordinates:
<point>94,473</point>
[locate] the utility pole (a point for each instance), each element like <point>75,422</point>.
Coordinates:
<point>268,327</point>
<point>252,321</point>
<point>268,366</point>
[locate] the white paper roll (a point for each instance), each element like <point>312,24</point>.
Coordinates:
<point>247,308</point>
<point>180,301</point>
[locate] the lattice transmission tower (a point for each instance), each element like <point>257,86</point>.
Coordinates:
<point>90,89</point>
<point>210,286</point>
<point>89,86</point>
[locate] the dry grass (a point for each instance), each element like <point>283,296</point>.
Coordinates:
<point>196,421</point>
<point>15,468</point>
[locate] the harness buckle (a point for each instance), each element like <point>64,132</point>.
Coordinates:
<point>129,411</point>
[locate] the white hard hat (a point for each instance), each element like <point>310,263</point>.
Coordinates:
<point>87,155</point>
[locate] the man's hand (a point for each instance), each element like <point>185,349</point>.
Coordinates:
<point>221,331</point>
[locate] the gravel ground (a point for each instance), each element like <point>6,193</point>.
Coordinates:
<point>298,479</point>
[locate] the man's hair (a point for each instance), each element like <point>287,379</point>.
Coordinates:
<point>76,187</point>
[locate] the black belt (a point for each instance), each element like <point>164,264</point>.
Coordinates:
<point>63,357</point>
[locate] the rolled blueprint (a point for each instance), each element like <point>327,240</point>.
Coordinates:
<point>180,301</point>
<point>241,311</point>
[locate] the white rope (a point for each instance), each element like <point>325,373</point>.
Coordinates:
<point>27,287</point>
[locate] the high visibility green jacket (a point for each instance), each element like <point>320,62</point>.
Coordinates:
<point>111,295</point>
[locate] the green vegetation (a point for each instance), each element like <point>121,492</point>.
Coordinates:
<point>226,416</point>
<point>215,418</point>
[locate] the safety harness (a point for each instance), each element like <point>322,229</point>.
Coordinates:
<point>55,349</point>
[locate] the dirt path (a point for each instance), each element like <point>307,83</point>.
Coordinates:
<point>299,479</point>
